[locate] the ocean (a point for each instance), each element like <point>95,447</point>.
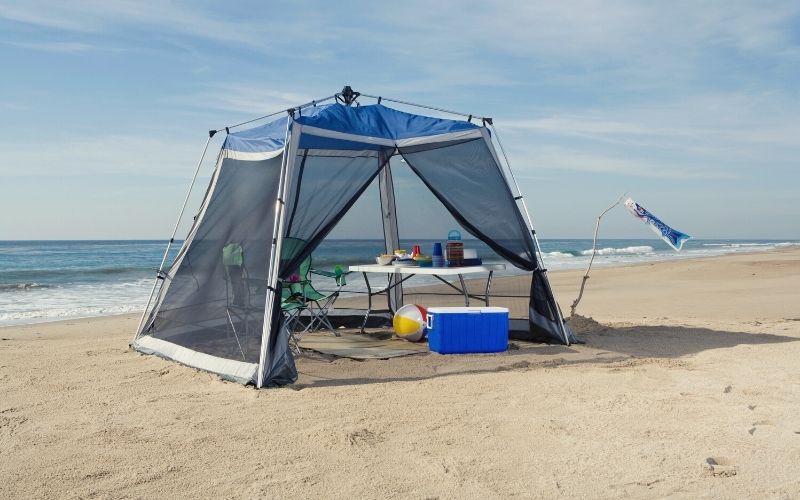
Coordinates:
<point>53,280</point>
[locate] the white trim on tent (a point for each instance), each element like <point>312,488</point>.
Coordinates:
<point>268,155</point>
<point>251,156</point>
<point>332,134</point>
<point>343,153</point>
<point>238,371</point>
<point>449,136</point>
<point>412,141</point>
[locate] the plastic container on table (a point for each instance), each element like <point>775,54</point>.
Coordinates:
<point>437,259</point>
<point>455,330</point>
<point>455,249</point>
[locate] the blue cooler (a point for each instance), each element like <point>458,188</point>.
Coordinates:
<point>467,329</point>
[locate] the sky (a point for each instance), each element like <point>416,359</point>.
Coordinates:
<point>690,107</point>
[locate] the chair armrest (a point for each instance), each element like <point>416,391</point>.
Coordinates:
<point>339,277</point>
<point>327,274</point>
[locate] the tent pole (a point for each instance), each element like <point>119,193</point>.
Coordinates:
<point>312,103</point>
<point>391,234</point>
<point>324,99</point>
<point>398,101</point>
<point>172,238</point>
<point>535,237</point>
<point>274,257</point>
<point>315,102</point>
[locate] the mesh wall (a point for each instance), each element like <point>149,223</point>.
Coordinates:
<point>467,180</point>
<point>465,177</point>
<point>211,304</point>
<point>324,187</point>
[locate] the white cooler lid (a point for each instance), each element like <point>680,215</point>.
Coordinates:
<point>467,310</point>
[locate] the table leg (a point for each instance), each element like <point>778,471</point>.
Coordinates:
<point>464,289</point>
<point>369,303</point>
<point>388,291</point>
<point>488,286</point>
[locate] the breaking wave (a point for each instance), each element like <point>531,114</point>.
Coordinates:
<point>55,314</point>
<point>636,250</point>
<point>22,286</point>
<point>560,254</point>
<point>100,272</point>
<point>782,244</point>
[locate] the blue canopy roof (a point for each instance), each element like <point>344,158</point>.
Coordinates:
<point>372,121</point>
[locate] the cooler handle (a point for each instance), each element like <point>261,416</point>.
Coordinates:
<point>429,321</point>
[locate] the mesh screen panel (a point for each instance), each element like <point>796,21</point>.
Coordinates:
<point>467,180</point>
<point>323,190</point>
<point>212,305</point>
<point>465,177</point>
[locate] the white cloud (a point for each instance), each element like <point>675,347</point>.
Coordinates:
<point>40,14</point>
<point>185,18</point>
<point>711,136</point>
<point>12,106</point>
<point>102,155</point>
<point>65,47</point>
<point>530,160</point>
<point>449,43</point>
<point>249,99</point>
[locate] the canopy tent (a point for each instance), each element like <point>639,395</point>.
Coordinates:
<point>296,177</point>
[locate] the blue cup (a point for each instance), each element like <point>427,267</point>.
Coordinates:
<point>437,249</point>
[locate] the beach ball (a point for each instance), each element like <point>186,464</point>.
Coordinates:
<point>409,322</point>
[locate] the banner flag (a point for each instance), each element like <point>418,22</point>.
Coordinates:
<point>674,238</point>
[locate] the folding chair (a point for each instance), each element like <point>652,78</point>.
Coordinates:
<point>237,292</point>
<point>318,303</point>
<point>292,307</point>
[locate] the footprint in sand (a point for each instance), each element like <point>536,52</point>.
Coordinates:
<point>720,467</point>
<point>727,389</point>
<point>758,424</point>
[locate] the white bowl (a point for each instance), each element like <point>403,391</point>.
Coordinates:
<point>384,260</point>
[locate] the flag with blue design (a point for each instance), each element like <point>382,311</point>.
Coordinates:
<point>674,238</point>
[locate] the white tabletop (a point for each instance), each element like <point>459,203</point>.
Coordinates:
<point>440,271</point>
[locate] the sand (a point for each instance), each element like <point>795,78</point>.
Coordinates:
<point>688,386</point>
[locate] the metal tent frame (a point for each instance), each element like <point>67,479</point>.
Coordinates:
<point>349,98</point>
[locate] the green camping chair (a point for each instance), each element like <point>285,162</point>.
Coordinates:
<point>293,305</point>
<point>239,309</point>
<point>237,293</point>
<point>318,303</point>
